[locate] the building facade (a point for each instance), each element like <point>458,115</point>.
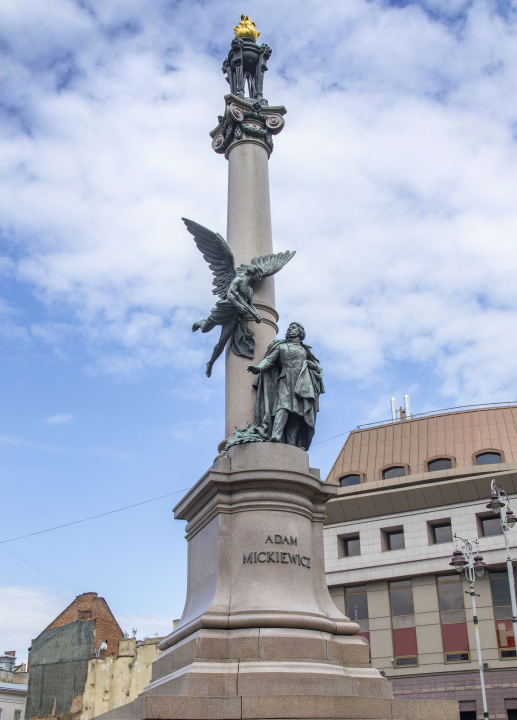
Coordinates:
<point>115,681</point>
<point>13,687</point>
<point>406,488</point>
<point>59,656</point>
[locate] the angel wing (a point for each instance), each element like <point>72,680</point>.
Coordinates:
<point>271,264</point>
<point>217,253</point>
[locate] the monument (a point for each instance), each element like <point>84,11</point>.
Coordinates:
<point>260,636</point>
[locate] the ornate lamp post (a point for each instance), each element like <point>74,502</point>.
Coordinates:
<point>500,505</point>
<point>470,561</point>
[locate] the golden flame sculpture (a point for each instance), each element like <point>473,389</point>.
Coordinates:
<point>246,28</point>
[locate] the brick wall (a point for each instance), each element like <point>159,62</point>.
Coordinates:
<point>89,606</point>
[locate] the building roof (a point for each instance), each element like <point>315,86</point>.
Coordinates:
<point>14,687</point>
<point>89,606</point>
<point>459,435</point>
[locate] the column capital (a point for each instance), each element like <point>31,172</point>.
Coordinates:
<point>247,122</point>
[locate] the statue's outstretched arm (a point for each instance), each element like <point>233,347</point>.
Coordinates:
<point>234,296</point>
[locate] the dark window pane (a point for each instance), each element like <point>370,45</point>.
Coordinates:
<point>450,596</point>
<point>457,657</point>
<point>442,533</point>
<point>352,546</point>
<point>348,480</point>
<point>439,464</point>
<point>500,590</point>
<point>402,601</point>
<point>357,606</point>
<point>491,526</point>
<point>356,589</point>
<point>508,653</point>
<point>403,662</point>
<point>400,583</point>
<point>395,540</point>
<point>503,612</point>
<point>512,714</point>
<point>488,458</point>
<point>393,472</point>
<point>468,715</point>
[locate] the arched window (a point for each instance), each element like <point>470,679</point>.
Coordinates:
<point>488,458</point>
<point>439,464</point>
<point>348,480</point>
<point>394,472</point>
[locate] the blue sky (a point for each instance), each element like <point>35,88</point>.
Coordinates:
<point>394,180</point>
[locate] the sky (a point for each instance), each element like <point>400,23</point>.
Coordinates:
<point>394,180</point>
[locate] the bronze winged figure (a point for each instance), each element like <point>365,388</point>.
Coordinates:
<point>235,289</point>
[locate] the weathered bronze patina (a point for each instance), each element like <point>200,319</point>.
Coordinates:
<point>235,288</point>
<point>288,386</point>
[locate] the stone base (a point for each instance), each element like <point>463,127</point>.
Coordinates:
<point>260,636</point>
<point>283,707</point>
<point>273,673</point>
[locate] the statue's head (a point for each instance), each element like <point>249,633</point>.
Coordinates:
<point>253,272</point>
<point>295,330</point>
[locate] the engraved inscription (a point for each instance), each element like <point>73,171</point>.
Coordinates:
<point>281,540</point>
<point>278,556</point>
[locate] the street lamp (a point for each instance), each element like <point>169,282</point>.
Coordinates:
<point>473,565</point>
<point>500,505</point>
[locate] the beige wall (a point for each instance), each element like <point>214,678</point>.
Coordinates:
<point>115,681</point>
<point>428,628</point>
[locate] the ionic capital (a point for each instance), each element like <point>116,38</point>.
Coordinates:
<point>247,122</point>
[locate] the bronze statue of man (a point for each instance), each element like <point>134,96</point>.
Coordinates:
<point>288,390</point>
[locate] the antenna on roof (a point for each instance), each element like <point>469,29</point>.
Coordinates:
<point>393,410</point>
<point>407,410</point>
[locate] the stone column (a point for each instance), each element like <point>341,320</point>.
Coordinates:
<point>244,136</point>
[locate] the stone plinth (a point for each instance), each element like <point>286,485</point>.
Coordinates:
<point>260,636</point>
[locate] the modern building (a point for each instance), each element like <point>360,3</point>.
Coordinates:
<point>13,687</point>
<point>406,487</point>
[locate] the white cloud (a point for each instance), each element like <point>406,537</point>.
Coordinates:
<point>60,419</point>
<point>394,179</point>
<point>25,612</point>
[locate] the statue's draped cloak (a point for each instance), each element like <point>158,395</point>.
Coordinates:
<point>287,382</point>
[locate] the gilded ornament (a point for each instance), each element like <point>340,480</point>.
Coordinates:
<point>246,28</point>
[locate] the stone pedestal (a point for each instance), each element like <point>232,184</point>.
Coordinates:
<point>260,636</point>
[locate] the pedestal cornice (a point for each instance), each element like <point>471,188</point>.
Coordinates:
<point>246,121</point>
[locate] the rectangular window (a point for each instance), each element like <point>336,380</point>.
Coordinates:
<point>357,609</point>
<point>17,714</point>
<point>503,614</point>
<point>453,620</point>
<point>490,526</point>
<point>352,546</point>
<point>395,539</point>
<point>442,533</point>
<point>405,651</point>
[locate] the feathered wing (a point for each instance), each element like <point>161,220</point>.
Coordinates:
<point>271,264</point>
<point>217,253</point>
